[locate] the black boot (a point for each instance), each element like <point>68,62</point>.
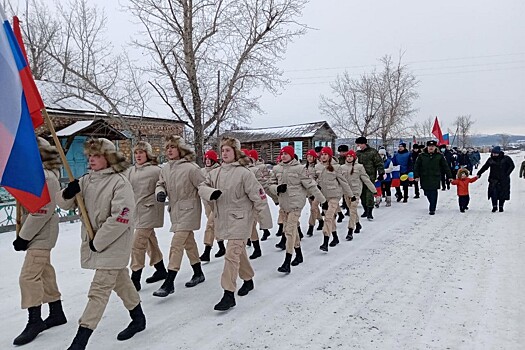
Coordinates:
<point>301,236</point>
<point>34,326</point>
<point>298,257</point>
<point>321,224</point>
<point>369,216</point>
<point>222,249</point>
<point>365,213</point>
<point>350,234</point>
<point>266,234</point>
<point>257,253</point>
<point>494,209</point>
<point>358,227</point>
<point>501,209</point>
<point>56,315</point>
<point>137,324</point>
<point>159,274</point>
<point>81,339</point>
<point>347,212</point>
<point>205,257</point>
<point>282,244</point>
<point>247,286</point>
<point>335,240</point>
<point>285,267</point>
<point>198,276</point>
<point>168,287</point>
<point>249,242</point>
<point>280,230</point>
<point>227,301</point>
<point>310,231</point>
<point>135,278</point>
<point>324,246</point>
<point>340,217</point>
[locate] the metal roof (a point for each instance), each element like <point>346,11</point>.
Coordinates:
<point>278,133</point>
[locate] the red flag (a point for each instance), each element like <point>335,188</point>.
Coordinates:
<point>33,98</point>
<point>436,131</point>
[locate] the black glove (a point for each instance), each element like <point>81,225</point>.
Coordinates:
<point>282,188</point>
<point>215,195</point>
<point>91,246</point>
<point>161,197</point>
<point>71,190</point>
<point>324,206</point>
<point>319,187</point>
<point>353,199</point>
<point>20,244</point>
<point>312,198</point>
<point>380,177</point>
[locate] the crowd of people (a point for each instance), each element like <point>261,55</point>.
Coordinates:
<point>234,192</point>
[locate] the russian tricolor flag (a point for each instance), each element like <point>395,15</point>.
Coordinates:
<point>21,171</point>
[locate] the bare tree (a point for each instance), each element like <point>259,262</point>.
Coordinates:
<point>504,140</point>
<point>422,130</point>
<point>463,126</point>
<point>210,55</point>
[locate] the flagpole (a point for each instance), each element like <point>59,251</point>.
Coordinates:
<point>79,198</point>
<point>18,218</point>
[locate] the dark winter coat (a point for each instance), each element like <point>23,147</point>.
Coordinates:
<point>500,167</point>
<point>429,167</point>
<point>464,161</point>
<point>404,160</point>
<point>522,169</point>
<point>372,162</point>
<point>449,157</point>
<point>413,157</point>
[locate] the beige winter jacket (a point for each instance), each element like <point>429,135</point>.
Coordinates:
<point>41,227</point>
<point>207,205</point>
<point>357,179</point>
<point>242,198</point>
<point>148,212</point>
<point>110,206</point>
<point>333,184</point>
<point>180,180</point>
<point>261,173</point>
<point>298,186</point>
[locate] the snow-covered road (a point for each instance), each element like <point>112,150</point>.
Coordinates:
<point>408,281</point>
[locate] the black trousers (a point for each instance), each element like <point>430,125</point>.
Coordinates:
<point>432,196</point>
<point>404,185</point>
<point>445,183</point>
<point>385,188</point>
<point>463,202</point>
<point>416,187</point>
<point>494,197</point>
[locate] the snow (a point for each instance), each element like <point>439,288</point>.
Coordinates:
<point>74,128</point>
<point>407,281</point>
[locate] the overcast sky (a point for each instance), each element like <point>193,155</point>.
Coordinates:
<point>469,56</point>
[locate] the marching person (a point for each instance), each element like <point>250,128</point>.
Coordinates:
<point>110,206</point>
<point>449,157</point>
<point>179,181</point>
<point>38,237</point>
<point>254,155</point>
<point>315,213</point>
<point>416,151</point>
<point>387,180</point>
<point>463,181</point>
<point>237,197</point>
<point>403,158</point>
<point>429,166</point>
<point>149,214</point>
<point>522,170</point>
<point>292,186</point>
<point>501,166</point>
<point>211,161</point>
<point>332,185</point>
<point>374,168</point>
<point>356,176</point>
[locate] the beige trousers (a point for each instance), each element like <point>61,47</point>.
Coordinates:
<point>290,230</point>
<point>354,218</point>
<point>315,213</point>
<point>209,232</point>
<point>145,241</point>
<point>280,218</point>
<point>329,217</point>
<point>236,263</point>
<point>255,234</point>
<point>38,284</point>
<point>103,283</point>
<point>183,240</point>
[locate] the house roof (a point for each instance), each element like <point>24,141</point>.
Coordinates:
<point>93,128</point>
<point>278,133</point>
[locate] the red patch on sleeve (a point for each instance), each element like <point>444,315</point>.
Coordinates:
<point>123,216</point>
<point>262,194</point>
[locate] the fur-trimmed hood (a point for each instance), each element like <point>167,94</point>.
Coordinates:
<point>234,143</point>
<point>146,147</point>
<point>461,171</point>
<point>185,151</point>
<point>48,154</point>
<point>102,146</point>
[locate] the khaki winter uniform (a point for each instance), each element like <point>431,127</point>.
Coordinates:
<point>234,214</point>
<point>180,179</point>
<point>149,214</point>
<point>356,181</point>
<point>37,279</point>
<point>209,234</point>
<point>298,187</point>
<point>333,185</point>
<point>374,166</point>
<point>315,213</point>
<point>262,175</point>
<point>110,206</point>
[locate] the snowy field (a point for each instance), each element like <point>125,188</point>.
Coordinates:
<point>407,281</point>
